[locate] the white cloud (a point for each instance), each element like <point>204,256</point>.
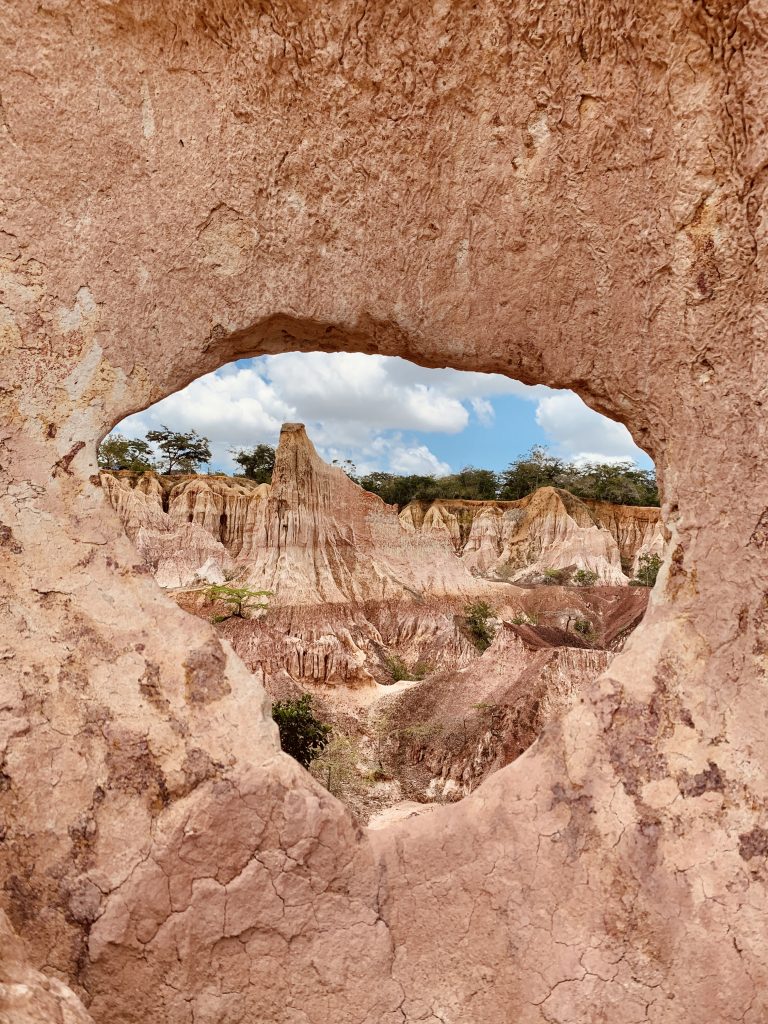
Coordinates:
<point>366,390</point>
<point>361,407</point>
<point>483,411</point>
<point>581,434</point>
<point>416,459</point>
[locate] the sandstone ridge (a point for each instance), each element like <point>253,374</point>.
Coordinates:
<point>315,536</point>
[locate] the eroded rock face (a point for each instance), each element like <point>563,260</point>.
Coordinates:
<point>26,995</point>
<point>315,537</point>
<point>457,728</point>
<point>571,194</point>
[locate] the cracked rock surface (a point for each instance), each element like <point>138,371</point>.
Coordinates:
<point>571,194</point>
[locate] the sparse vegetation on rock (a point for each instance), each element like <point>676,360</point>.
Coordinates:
<point>302,735</point>
<point>478,619</point>
<point>647,571</point>
<point>400,670</point>
<point>585,578</point>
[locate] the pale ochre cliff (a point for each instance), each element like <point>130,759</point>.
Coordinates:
<point>314,536</point>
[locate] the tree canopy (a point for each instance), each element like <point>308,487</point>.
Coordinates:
<point>183,451</point>
<point>257,463</point>
<point>621,483</point>
<point>118,452</point>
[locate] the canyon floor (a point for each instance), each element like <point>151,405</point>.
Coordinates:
<point>366,607</point>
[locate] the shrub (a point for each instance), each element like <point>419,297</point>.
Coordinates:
<point>583,627</point>
<point>336,766</point>
<point>647,571</point>
<point>555,576</point>
<point>478,615</point>
<point>237,598</point>
<point>585,578</point>
<point>301,734</point>
<point>399,670</point>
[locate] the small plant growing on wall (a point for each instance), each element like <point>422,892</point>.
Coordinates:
<point>647,571</point>
<point>302,735</point>
<point>478,619</point>
<point>239,600</point>
<point>585,578</point>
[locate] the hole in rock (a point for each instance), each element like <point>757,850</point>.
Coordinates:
<point>440,559</point>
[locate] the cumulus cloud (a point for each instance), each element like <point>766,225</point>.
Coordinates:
<point>363,407</point>
<point>581,434</point>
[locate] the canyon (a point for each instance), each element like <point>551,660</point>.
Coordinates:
<point>573,195</point>
<point>354,587</point>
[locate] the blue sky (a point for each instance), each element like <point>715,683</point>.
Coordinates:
<point>386,413</point>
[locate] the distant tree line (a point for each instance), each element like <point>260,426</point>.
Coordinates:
<point>620,483</point>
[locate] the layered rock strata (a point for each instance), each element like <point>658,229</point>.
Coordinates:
<point>314,536</point>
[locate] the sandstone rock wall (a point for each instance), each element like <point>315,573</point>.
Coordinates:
<point>27,996</point>
<point>454,730</point>
<point>571,194</point>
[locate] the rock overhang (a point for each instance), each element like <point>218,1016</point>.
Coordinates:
<point>606,797</point>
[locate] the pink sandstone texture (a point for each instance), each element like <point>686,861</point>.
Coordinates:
<point>571,194</point>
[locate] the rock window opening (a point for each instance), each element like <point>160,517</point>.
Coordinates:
<point>437,620</point>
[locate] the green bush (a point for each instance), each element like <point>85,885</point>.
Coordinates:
<point>399,670</point>
<point>478,615</point>
<point>337,767</point>
<point>556,576</point>
<point>397,667</point>
<point>647,571</point>
<point>238,598</point>
<point>301,734</point>
<point>585,578</point>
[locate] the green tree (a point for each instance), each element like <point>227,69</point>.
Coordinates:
<point>118,452</point>
<point>535,469</point>
<point>239,600</point>
<point>348,466</point>
<point>401,490</point>
<point>647,571</point>
<point>585,578</point>
<point>301,734</point>
<point>469,484</point>
<point>184,451</point>
<point>621,483</point>
<point>257,463</point>
<point>478,615</point>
